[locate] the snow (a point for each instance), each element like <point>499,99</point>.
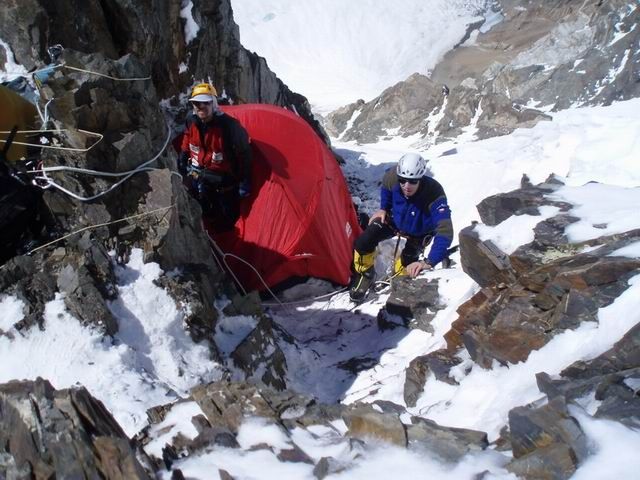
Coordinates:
<point>632,251</point>
<point>11,308</point>
<point>516,230</point>
<point>191,28</point>
<point>616,449</point>
<point>602,209</point>
<point>387,42</point>
<point>178,420</point>
<point>10,70</point>
<point>149,362</point>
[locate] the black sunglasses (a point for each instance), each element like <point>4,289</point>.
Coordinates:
<point>200,104</point>
<point>410,181</point>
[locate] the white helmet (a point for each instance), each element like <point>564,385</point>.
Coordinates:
<point>411,165</point>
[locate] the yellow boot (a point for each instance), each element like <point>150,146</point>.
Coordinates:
<point>398,268</point>
<point>362,263</point>
<point>365,276</point>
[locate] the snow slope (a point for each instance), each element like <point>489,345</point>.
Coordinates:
<point>335,52</point>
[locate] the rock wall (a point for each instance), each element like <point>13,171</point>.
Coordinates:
<point>151,210</point>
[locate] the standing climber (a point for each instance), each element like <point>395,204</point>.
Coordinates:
<point>412,205</point>
<point>216,155</point>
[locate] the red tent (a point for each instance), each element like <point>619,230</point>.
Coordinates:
<point>299,220</point>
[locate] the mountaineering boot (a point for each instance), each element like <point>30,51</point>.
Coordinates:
<point>364,277</point>
<point>361,284</point>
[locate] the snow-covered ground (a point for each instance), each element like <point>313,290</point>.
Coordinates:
<point>335,52</point>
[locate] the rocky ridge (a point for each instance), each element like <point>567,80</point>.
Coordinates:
<point>542,55</point>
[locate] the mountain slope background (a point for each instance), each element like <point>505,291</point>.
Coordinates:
<point>524,353</point>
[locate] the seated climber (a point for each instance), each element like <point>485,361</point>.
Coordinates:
<point>414,206</point>
<point>216,155</point>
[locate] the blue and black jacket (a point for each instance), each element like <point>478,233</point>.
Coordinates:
<point>424,213</point>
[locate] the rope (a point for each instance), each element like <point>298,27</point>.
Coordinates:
<point>90,227</point>
<point>141,168</point>
<point>224,256</point>
<point>306,300</point>
<point>130,79</point>
<point>91,72</point>
<point>55,147</point>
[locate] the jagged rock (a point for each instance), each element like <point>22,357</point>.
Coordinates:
<point>534,52</point>
<point>61,433</point>
<point>33,285</point>
<point>327,466</point>
<point>405,105</point>
<point>259,353</point>
<point>439,363</point>
<point>449,444</point>
<point>547,440</point>
<point>610,378</point>
<point>506,324</point>
<point>312,414</point>
<point>225,404</point>
<point>365,422</point>
<point>294,455</point>
<point>337,121</point>
<point>624,355</point>
<point>500,116</point>
<point>483,260</point>
<point>224,475</point>
<point>525,200</point>
<point>414,299</point>
<point>543,288</point>
<point>554,462</point>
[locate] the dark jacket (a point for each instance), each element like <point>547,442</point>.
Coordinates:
<point>220,145</point>
<point>424,213</point>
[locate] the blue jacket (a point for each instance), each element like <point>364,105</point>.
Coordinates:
<point>424,213</point>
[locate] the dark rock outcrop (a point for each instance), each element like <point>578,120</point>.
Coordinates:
<point>547,442</point>
<point>416,300</point>
<point>439,363</point>
<point>542,288</point>
<point>48,433</point>
<point>611,379</point>
<point>259,354</point>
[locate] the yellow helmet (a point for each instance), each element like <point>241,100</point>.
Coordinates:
<point>203,92</point>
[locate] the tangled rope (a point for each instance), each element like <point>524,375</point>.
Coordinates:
<point>128,174</point>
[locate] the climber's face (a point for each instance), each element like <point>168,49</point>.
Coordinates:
<point>409,186</point>
<point>203,110</point>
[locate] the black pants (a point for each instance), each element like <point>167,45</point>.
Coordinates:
<point>219,199</point>
<point>377,231</point>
